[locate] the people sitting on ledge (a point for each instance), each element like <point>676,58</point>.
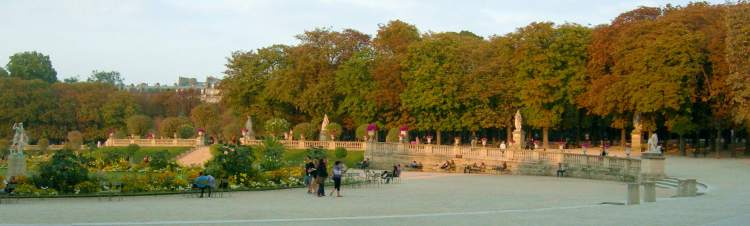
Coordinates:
<point>502,167</point>
<point>560,170</point>
<point>364,164</point>
<point>445,165</point>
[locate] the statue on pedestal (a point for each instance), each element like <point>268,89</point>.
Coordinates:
<point>16,159</point>
<point>249,133</point>
<point>323,129</point>
<point>518,132</point>
<point>653,144</point>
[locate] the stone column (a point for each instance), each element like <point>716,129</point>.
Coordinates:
<point>649,191</point>
<point>687,188</point>
<point>634,194</point>
<point>652,166</point>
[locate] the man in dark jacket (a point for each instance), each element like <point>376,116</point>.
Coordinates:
<point>322,172</point>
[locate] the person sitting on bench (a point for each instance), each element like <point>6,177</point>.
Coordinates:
<point>445,165</point>
<point>560,170</point>
<point>204,182</point>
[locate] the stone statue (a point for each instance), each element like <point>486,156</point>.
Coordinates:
<point>323,129</point>
<point>249,133</point>
<point>653,144</point>
<point>19,139</point>
<point>518,121</point>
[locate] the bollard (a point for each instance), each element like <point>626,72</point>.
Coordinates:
<point>687,188</point>
<point>649,191</point>
<point>634,193</point>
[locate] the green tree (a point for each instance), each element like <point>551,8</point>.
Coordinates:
<point>208,117</point>
<point>334,130</point>
<point>738,56</point>
<point>62,172</point>
<point>33,103</point>
<point>159,160</point>
<point>107,77</point>
<point>316,153</point>
<point>32,65</point>
<point>356,86</point>
<point>118,107</point>
<point>276,126</point>
<point>139,125</point>
<point>548,60</point>
<point>170,126</point>
<point>3,73</point>
<point>681,125</point>
<point>304,130</point>
<point>340,152</point>
<point>186,131</point>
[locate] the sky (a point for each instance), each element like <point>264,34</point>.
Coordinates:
<point>158,40</point>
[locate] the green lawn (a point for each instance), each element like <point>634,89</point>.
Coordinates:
<point>297,157</point>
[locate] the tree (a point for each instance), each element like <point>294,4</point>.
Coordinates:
<point>62,172</point>
<point>333,130</point>
<point>361,131</point>
<point>340,152</point>
<point>107,77</point>
<point>186,131</point>
<point>391,47</point>
<point>159,160</point>
<point>304,131</point>
<point>170,126</point>
<point>208,117</point>
<point>356,86</point>
<point>139,125</point>
<point>118,107</point>
<point>681,125</point>
<point>548,60</point>
<point>75,140</point>
<point>34,103</point>
<point>276,126</point>
<point>3,73</point>
<point>32,65</point>
<point>738,56</point>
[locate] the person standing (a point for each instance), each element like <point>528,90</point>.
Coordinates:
<point>338,172</point>
<point>309,169</point>
<point>322,176</point>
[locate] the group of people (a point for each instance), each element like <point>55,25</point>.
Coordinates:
<point>415,165</point>
<point>388,176</point>
<point>448,165</point>
<point>316,173</point>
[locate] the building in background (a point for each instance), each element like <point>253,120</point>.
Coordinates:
<point>209,89</point>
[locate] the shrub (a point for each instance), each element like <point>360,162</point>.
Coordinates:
<point>340,152</point>
<point>273,152</point>
<point>43,144</point>
<point>86,187</point>
<point>186,131</point>
<point>276,126</point>
<point>304,129</point>
<point>159,160</point>
<point>232,160</point>
<point>62,172</point>
<point>130,151</point>
<point>316,153</point>
<point>333,129</point>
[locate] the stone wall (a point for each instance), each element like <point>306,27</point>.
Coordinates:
<point>521,162</point>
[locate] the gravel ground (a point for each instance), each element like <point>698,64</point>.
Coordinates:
<point>425,199</point>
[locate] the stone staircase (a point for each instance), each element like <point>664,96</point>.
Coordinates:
<point>195,157</point>
<point>674,183</point>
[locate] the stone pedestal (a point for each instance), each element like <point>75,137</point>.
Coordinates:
<point>517,139</point>
<point>636,144</point>
<point>652,166</point>
<point>16,165</point>
<point>687,188</point>
<point>634,194</point>
<point>649,191</point>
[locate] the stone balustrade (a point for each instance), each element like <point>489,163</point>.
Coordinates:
<point>154,142</point>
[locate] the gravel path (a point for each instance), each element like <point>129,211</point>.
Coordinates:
<point>197,156</point>
<point>426,199</point>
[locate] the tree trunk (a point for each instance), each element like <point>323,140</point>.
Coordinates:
<point>438,137</point>
<point>622,138</point>
<point>682,145</point>
<point>717,142</point>
<point>545,138</point>
<point>732,150</point>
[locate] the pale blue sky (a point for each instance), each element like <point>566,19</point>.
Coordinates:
<point>157,41</point>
